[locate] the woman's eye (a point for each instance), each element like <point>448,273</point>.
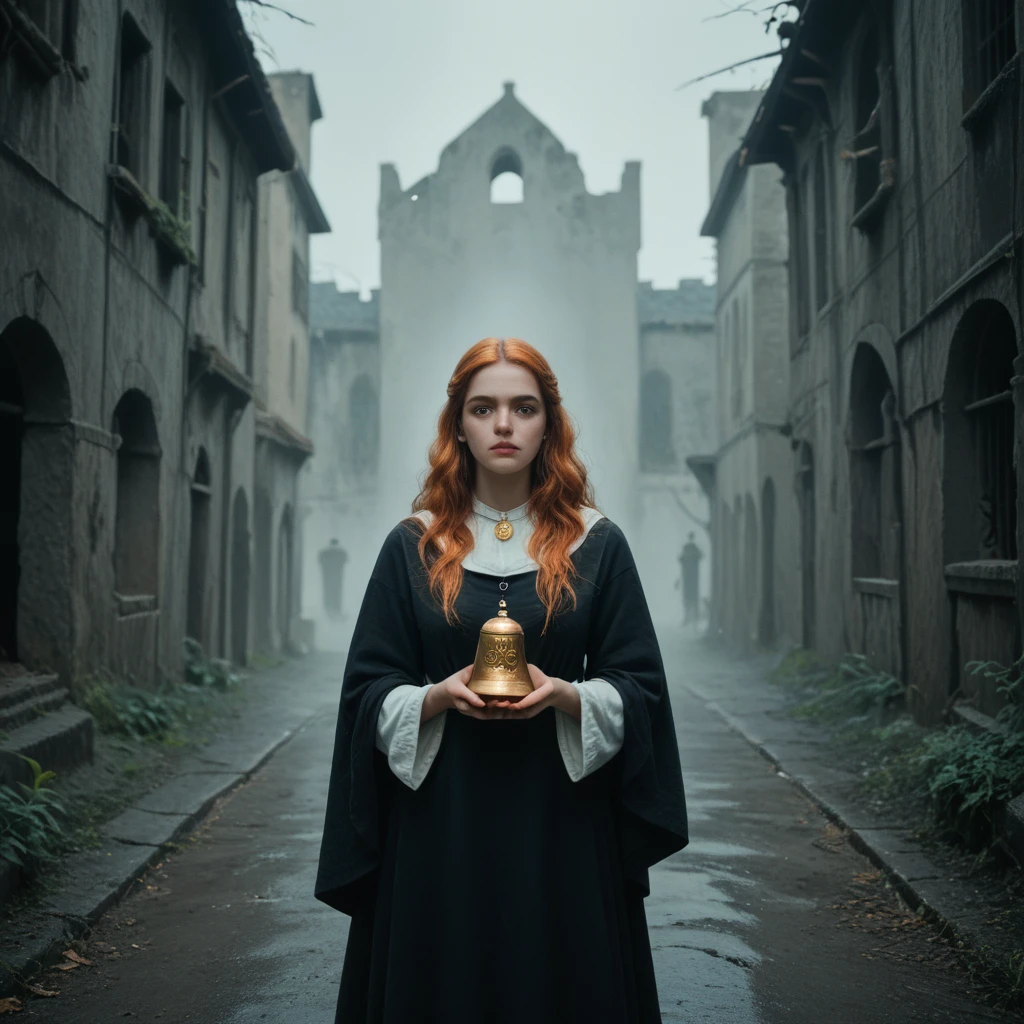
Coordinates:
<point>479,409</point>
<point>527,409</point>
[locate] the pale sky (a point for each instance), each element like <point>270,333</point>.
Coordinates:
<point>399,79</point>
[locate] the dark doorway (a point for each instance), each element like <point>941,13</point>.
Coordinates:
<point>36,480</point>
<point>240,578</point>
<point>805,495</point>
<point>199,549</point>
<point>284,579</point>
<point>766,625</point>
<point>263,518</point>
<point>137,522</point>
<point>12,425</point>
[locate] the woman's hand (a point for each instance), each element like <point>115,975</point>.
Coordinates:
<point>454,692</point>
<point>548,692</point>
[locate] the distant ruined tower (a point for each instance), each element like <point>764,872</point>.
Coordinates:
<point>557,266</point>
<point>558,269</point>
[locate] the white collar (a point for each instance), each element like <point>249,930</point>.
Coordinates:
<point>513,515</point>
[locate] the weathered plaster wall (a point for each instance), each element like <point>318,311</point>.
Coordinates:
<point>756,568</point>
<point>338,502</point>
<point>902,287</point>
<point>118,317</point>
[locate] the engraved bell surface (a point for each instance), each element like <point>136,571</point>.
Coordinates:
<point>499,671</point>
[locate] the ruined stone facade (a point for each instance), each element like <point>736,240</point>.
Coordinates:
<point>905,297</point>
<point>676,403</point>
<point>339,490</point>
<point>557,268</point>
<point>289,214</point>
<point>748,470</point>
<point>128,342</point>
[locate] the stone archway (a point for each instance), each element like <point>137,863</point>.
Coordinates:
<point>285,562</point>
<point>263,528</point>
<point>199,548</point>
<point>240,578</point>
<point>36,485</point>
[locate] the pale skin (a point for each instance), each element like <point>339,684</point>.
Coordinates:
<point>503,406</point>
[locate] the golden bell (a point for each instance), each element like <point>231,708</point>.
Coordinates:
<point>499,671</point>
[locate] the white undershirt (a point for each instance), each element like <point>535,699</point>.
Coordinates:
<point>585,745</point>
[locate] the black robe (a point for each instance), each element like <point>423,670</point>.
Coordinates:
<point>501,892</point>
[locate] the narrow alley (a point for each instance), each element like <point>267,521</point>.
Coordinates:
<point>768,916</point>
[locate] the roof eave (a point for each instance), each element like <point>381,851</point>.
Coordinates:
<point>766,142</point>
<point>272,149</point>
<point>725,197</point>
<point>316,219</point>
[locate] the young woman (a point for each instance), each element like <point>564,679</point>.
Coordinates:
<point>493,856</point>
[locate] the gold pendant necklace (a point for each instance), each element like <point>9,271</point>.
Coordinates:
<point>503,529</point>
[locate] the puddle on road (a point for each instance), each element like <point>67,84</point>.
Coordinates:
<point>718,850</point>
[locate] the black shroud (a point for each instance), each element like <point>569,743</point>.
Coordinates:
<point>500,892</point>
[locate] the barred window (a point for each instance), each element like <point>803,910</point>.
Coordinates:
<point>133,98</point>
<point>868,121</point>
<point>979,477</point>
<point>990,42</point>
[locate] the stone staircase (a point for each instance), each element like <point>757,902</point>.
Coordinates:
<point>38,720</point>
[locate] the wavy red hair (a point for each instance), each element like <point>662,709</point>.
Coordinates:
<point>558,488</point>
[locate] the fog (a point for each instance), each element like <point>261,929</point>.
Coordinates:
<point>397,83</point>
<point>397,80</point>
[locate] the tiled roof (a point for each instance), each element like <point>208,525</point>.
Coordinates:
<point>692,302</point>
<point>331,310</point>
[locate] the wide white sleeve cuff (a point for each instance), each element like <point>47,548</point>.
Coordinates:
<point>597,737</point>
<point>410,745</point>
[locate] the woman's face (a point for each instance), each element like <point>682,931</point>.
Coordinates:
<point>503,418</point>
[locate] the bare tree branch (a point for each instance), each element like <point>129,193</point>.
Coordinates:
<point>743,8</point>
<point>722,71</point>
<point>280,10</point>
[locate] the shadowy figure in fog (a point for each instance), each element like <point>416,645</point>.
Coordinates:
<point>332,570</point>
<point>689,565</point>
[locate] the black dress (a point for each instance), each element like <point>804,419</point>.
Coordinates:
<point>501,892</point>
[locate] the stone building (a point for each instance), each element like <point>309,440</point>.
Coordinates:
<point>749,471</point>
<point>677,375</point>
<point>288,214</point>
<point>132,137</point>
<point>556,266</point>
<point>905,291</point>
<point>339,489</point>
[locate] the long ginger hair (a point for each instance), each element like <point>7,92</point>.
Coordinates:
<point>558,486</point>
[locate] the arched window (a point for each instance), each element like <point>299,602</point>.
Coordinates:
<point>821,256</point>
<point>137,521</point>
<point>874,468</point>
<point>363,427</point>
<point>979,480</point>
<point>507,178</point>
<point>990,42</point>
<point>868,119</point>
<point>656,450</point>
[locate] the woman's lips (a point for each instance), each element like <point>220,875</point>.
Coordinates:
<point>504,449</point>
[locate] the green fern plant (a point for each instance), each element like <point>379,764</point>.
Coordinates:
<point>30,829</point>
